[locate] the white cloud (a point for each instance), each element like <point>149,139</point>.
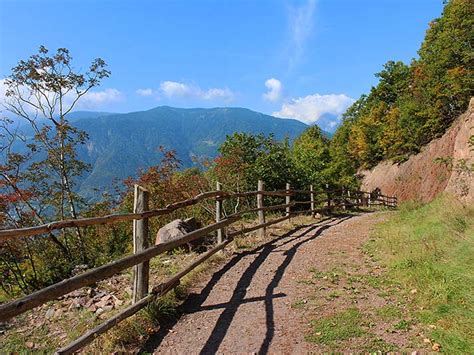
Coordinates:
<point>91,100</point>
<point>95,99</point>
<point>174,89</point>
<point>309,109</point>
<point>144,92</point>
<point>274,90</point>
<point>216,93</point>
<point>301,21</point>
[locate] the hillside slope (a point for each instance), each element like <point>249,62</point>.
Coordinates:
<point>443,165</point>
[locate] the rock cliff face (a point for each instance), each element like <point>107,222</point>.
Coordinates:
<point>444,165</point>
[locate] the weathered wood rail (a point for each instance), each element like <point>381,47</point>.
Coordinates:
<point>142,252</point>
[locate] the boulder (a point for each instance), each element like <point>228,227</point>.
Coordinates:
<point>177,229</point>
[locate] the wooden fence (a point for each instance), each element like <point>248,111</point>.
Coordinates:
<point>142,252</point>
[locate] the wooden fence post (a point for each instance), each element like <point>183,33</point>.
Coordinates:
<point>288,199</point>
<point>219,213</point>
<point>328,196</point>
<point>312,200</point>
<point>343,198</point>
<point>140,243</point>
<point>261,213</point>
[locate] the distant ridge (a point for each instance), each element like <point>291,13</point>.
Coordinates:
<point>121,144</point>
<point>77,115</point>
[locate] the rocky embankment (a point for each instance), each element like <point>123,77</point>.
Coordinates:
<point>444,165</point>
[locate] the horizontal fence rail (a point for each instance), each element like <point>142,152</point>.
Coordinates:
<point>333,199</point>
<point>62,288</point>
<point>6,234</point>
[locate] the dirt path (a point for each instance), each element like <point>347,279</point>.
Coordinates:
<point>264,299</point>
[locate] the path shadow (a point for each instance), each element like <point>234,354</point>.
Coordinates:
<point>194,302</point>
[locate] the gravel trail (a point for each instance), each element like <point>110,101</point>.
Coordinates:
<point>247,305</point>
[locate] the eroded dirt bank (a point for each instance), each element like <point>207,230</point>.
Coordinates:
<point>443,165</point>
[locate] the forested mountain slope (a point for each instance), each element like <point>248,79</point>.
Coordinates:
<point>120,144</point>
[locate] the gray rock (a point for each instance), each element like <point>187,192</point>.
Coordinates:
<point>49,313</point>
<point>178,229</point>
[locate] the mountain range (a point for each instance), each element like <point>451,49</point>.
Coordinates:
<point>120,144</point>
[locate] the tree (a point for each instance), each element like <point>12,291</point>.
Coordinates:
<point>245,158</point>
<point>43,90</point>
<point>445,66</point>
<point>274,166</point>
<point>167,184</point>
<point>310,154</point>
<point>394,82</point>
<point>342,166</point>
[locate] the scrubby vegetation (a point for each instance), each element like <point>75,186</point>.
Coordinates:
<point>429,251</point>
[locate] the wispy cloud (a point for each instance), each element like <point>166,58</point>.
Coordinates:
<point>97,99</point>
<point>216,93</point>
<point>311,108</point>
<point>275,89</point>
<point>301,24</point>
<point>91,100</point>
<point>144,92</point>
<point>179,90</point>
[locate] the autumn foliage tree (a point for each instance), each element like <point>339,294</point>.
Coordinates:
<point>168,183</point>
<point>37,182</point>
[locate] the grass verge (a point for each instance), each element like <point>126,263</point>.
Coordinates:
<point>341,326</point>
<point>429,250</point>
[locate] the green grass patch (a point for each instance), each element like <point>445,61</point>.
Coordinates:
<point>429,252</point>
<point>299,304</point>
<point>334,294</point>
<point>338,327</point>
<point>402,325</point>
<point>376,346</point>
<point>389,312</point>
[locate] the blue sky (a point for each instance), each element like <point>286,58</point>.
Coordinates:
<point>297,59</point>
